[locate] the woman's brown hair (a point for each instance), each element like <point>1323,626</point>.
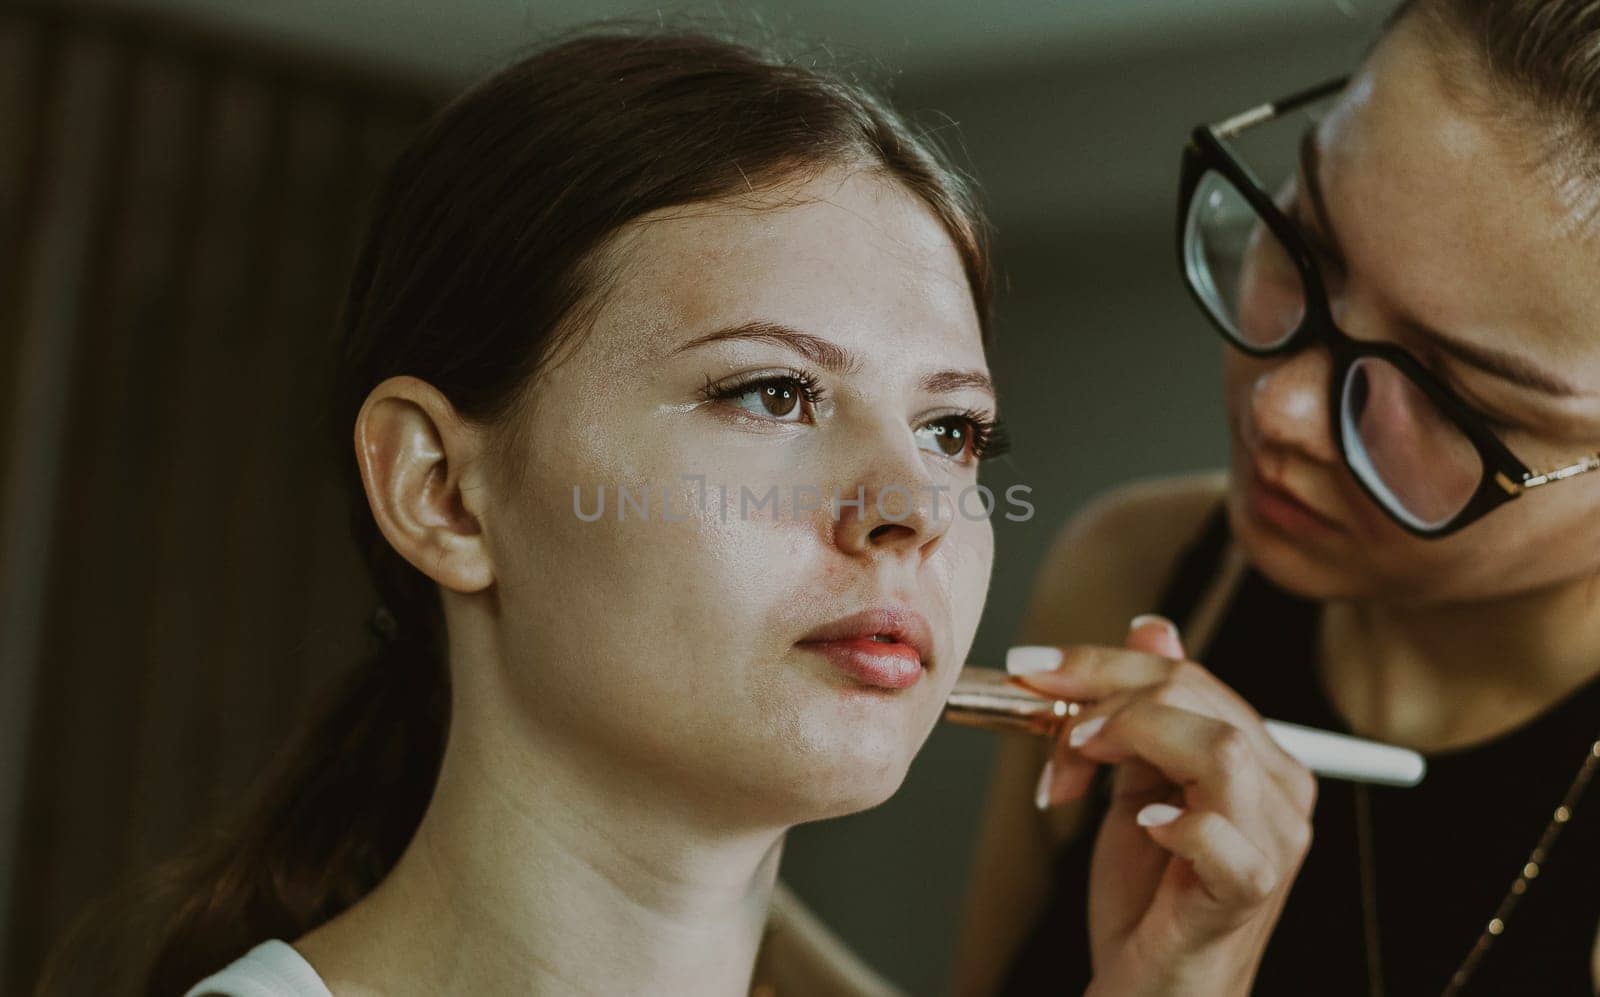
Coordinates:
<point>481,260</point>
<point>1541,55</point>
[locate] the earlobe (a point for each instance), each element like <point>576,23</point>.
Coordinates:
<point>414,453</point>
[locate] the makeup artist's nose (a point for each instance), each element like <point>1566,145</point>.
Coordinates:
<point>1287,405</point>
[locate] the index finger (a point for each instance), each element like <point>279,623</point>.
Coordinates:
<point>1085,671</point>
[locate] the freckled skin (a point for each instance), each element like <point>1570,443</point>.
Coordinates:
<point>668,648</point>
<point>1445,221</point>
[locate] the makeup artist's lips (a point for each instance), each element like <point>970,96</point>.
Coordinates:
<point>1285,510</point>
<point>885,646</point>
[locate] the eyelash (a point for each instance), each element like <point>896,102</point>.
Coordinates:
<point>1493,423</point>
<point>810,388</point>
<point>1333,270</point>
<point>1314,238</point>
<point>990,437</point>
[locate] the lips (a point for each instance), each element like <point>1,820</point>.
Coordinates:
<point>1281,499</point>
<point>886,646</point>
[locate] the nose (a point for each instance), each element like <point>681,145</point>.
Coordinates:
<point>1287,404</point>
<point>893,505</point>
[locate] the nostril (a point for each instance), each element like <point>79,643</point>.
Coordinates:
<point>878,531</point>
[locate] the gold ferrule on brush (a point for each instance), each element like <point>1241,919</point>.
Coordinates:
<point>986,697</point>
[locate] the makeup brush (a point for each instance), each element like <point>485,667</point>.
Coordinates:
<point>987,697</point>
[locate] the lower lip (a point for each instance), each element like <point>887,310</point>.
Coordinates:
<point>885,664</point>
<point>1285,513</point>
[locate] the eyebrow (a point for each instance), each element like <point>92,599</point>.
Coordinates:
<point>1500,363</point>
<point>834,358</point>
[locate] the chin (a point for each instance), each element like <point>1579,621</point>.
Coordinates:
<point>1315,574</point>
<point>855,795</point>
<point>848,770</point>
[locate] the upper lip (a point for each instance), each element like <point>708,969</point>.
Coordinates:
<point>898,623</point>
<point>1272,486</point>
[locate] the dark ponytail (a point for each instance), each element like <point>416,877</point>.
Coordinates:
<point>332,817</point>
<point>479,263</point>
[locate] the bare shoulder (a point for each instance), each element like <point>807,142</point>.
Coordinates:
<point>1110,561</point>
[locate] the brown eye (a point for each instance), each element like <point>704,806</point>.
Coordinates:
<point>782,398</point>
<point>967,437</point>
<point>950,435</point>
<point>779,399</point>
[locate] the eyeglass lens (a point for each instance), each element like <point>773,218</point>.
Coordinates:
<point>1411,456</point>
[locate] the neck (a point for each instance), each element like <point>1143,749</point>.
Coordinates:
<point>1446,676</point>
<point>534,872</point>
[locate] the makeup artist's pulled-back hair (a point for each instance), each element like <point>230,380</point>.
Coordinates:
<point>1543,53</point>
<point>480,262</point>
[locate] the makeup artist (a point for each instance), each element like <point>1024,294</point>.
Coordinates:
<point>1406,544</point>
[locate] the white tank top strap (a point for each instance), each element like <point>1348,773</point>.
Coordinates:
<point>271,969</point>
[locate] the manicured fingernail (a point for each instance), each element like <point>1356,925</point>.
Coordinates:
<point>1041,794</point>
<point>1027,660</point>
<point>1143,618</point>
<point>1089,728</point>
<point>1157,814</point>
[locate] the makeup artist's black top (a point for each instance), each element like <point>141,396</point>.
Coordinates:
<point>1445,851</point>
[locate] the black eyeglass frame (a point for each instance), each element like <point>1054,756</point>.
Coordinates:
<point>1504,477</point>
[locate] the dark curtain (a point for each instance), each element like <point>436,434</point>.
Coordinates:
<point>178,213</point>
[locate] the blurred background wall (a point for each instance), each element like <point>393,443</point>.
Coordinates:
<point>180,182</point>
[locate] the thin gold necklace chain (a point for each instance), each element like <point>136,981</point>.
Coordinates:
<point>1497,924</point>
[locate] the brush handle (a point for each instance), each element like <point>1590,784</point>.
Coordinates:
<point>1340,756</point>
<point>986,697</point>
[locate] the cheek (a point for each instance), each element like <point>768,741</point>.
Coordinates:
<point>1500,555</point>
<point>646,635</point>
<point>589,571</point>
<point>693,574</point>
<point>1238,371</point>
<point>971,562</point>
<point>959,576</point>
<point>1270,301</point>
<point>1550,534</point>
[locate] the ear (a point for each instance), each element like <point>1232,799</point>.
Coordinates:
<point>421,465</point>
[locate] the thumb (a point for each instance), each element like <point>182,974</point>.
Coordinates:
<point>1155,635</point>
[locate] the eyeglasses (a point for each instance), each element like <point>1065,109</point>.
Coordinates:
<point>1423,454</point>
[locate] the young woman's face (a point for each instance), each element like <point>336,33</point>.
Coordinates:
<point>1443,226</point>
<point>816,341</point>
